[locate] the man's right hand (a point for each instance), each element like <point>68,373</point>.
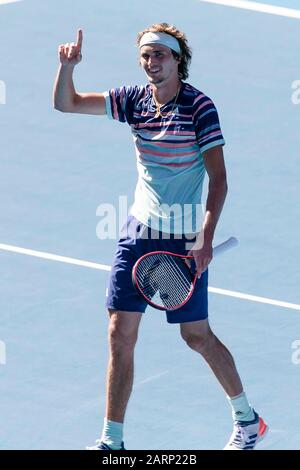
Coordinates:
<point>70,53</point>
<point>65,98</point>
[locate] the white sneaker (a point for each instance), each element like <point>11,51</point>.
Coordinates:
<point>247,434</point>
<point>99,445</point>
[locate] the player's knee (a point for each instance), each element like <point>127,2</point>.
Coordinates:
<point>121,338</point>
<point>200,342</point>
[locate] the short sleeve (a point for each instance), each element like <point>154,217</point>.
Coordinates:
<point>120,103</point>
<point>207,124</point>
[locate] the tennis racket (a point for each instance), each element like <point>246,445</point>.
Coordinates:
<point>165,280</point>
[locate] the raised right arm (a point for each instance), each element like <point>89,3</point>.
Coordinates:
<point>65,97</point>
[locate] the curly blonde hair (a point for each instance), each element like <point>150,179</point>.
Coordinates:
<point>186,52</point>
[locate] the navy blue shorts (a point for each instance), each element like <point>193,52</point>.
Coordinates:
<point>137,239</point>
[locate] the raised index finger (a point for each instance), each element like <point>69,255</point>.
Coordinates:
<point>79,39</point>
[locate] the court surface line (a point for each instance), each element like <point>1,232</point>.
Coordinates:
<point>105,267</point>
<point>259,7</point>
<point>254,298</point>
<point>52,257</point>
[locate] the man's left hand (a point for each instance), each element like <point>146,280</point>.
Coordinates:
<point>202,258</point>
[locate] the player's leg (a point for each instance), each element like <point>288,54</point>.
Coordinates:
<point>199,337</point>
<point>123,332</point>
<point>122,337</point>
<point>249,428</point>
<point>196,331</point>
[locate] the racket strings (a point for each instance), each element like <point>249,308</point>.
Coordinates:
<point>164,279</point>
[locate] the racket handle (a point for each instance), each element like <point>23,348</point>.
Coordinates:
<point>227,245</point>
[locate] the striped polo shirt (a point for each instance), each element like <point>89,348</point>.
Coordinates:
<point>169,153</point>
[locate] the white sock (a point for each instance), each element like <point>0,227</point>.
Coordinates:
<point>112,434</point>
<point>241,410</point>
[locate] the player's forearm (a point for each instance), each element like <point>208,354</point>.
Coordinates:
<point>217,192</point>
<point>64,91</point>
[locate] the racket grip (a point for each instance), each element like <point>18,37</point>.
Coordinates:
<point>227,245</point>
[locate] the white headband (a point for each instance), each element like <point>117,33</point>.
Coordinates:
<point>161,38</point>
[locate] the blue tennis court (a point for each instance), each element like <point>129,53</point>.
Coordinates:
<point>57,170</point>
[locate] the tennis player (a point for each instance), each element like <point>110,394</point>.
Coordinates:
<point>177,138</point>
